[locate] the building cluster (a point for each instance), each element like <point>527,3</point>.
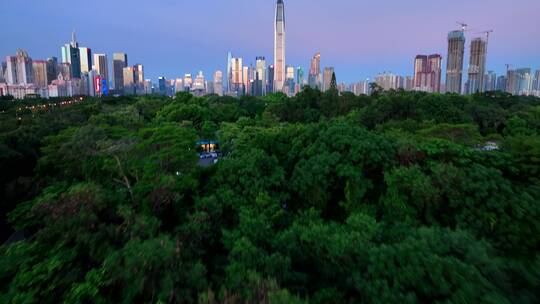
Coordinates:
<point>428,71</point>
<point>79,72</point>
<point>82,73</point>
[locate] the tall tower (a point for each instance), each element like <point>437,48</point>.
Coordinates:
<point>120,61</point>
<point>314,80</point>
<point>477,66</point>
<point>279,47</point>
<point>228,73</point>
<point>71,55</point>
<point>454,65</point>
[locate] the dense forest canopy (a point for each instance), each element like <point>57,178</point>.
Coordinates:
<point>398,197</point>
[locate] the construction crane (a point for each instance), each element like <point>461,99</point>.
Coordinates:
<point>463,26</point>
<point>488,32</point>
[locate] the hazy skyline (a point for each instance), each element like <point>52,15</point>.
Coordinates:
<point>358,38</point>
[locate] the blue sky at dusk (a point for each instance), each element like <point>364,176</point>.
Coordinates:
<point>359,38</point>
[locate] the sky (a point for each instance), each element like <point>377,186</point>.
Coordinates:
<point>359,38</point>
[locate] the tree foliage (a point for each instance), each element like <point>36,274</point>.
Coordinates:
<point>323,197</point>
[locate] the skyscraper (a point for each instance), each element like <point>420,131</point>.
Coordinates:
<point>101,67</point>
<point>454,65</point>
<point>11,73</point>
<point>120,61</point>
<point>3,68</point>
<point>39,68</point>
<point>86,59</point>
<point>179,85</point>
<point>19,69</point>
<point>128,79</point>
<point>270,85</point>
<point>524,81</point>
<point>52,69</point>
<point>161,85</point>
<point>519,81</point>
<point>259,81</point>
<point>427,73</point>
<point>246,80</point>
<point>501,83</point>
<point>327,78</point>
<point>228,73</point>
<point>199,84</point>
<point>218,83</point>
<point>139,75</point>
<point>536,83</point>
<point>237,82</point>
<point>188,82</point>
<point>299,79</point>
<point>477,66</point>
<point>289,86</point>
<point>300,75</point>
<point>490,81</point>
<point>314,78</point>
<point>279,47</point>
<point>71,55</point>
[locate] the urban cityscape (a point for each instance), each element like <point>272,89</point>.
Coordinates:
<point>81,71</point>
<point>273,152</point>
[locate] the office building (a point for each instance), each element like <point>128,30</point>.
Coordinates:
<point>490,81</point>
<point>501,83</point>
<point>259,79</point>
<point>139,74</point>
<point>246,80</point>
<point>86,59</point>
<point>289,86</point>
<point>237,79</point>
<point>327,78</point>
<point>454,64</point>
<point>314,77</point>
<point>128,78</point>
<point>52,69</point>
<point>71,55</point>
<point>300,76</point>
<point>218,83</point>
<point>199,85</point>
<point>188,82</point>
<point>39,68</point>
<point>427,74</point>
<point>536,84</point>
<point>179,85</point>
<point>120,61</point>
<point>279,47</point>
<point>477,66</point>
<point>228,73</point>
<point>270,77</point>
<point>519,81</point>
<point>161,86</point>
<point>102,68</point>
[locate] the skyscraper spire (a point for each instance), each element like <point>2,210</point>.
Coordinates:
<point>279,47</point>
<point>74,39</point>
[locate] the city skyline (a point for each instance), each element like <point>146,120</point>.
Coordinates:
<point>354,57</point>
